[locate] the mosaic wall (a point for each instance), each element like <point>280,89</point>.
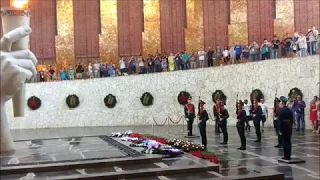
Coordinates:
<point>151,38</point>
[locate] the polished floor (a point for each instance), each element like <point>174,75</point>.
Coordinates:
<point>257,157</point>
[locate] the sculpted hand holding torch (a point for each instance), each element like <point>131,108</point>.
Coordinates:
<point>12,18</point>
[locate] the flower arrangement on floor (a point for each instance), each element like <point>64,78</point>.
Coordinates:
<point>185,145</point>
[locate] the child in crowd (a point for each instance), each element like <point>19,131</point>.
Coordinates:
<point>54,77</point>
<point>164,64</point>
<point>71,72</point>
<point>226,55</point>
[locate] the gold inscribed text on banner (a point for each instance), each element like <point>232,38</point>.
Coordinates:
<point>109,27</point>
<point>194,37</point>
<point>65,38</point>
<point>151,41</point>
<point>284,22</point>
<point>238,30</point>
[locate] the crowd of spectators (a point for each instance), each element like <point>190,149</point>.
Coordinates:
<point>299,44</point>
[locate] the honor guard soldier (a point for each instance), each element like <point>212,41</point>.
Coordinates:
<point>241,120</point>
<point>203,117</point>
<point>216,110</point>
<point>223,116</point>
<point>285,118</point>
<point>189,114</point>
<point>276,109</point>
<point>257,117</point>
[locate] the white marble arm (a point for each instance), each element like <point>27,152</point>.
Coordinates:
<point>17,67</point>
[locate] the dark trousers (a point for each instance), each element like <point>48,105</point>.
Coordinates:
<point>133,69</point>
<point>240,128</point>
<point>189,126</point>
<point>158,67</point>
<point>256,123</point>
<point>223,125</point>
<point>276,127</point>
<point>210,62</point>
<point>217,127</point>
<point>286,145</point>
<point>150,69</point>
<point>203,133</point>
<point>265,56</point>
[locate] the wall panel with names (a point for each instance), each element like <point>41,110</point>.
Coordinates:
<point>86,28</point>
<point>130,27</point>
<point>215,23</point>
<point>306,14</point>
<point>172,24</point>
<point>260,20</point>
<point>43,24</point>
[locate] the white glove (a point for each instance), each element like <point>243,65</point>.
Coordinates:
<point>187,119</point>
<point>17,67</point>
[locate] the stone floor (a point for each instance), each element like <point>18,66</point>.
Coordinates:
<point>257,158</point>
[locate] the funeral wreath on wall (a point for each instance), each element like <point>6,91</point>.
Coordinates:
<point>218,94</point>
<point>183,97</point>
<point>34,103</point>
<point>110,101</point>
<point>294,92</point>
<point>72,101</point>
<point>146,99</point>
<point>256,94</point>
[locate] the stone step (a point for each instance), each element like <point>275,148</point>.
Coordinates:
<point>140,173</point>
<point>21,169</point>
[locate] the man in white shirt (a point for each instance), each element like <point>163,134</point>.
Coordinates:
<point>96,67</point>
<point>202,55</point>
<point>264,113</point>
<point>313,40</point>
<point>122,63</point>
<point>89,73</point>
<point>247,108</point>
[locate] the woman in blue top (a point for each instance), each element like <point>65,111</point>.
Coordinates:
<point>63,74</point>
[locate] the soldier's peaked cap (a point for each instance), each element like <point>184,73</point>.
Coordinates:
<point>283,99</point>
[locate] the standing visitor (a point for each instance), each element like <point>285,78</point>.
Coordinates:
<point>313,38</point>
<point>314,113</point>
<point>298,107</point>
<point>171,62</point>
<point>42,75</point>
<point>257,116</point>
<point>245,54</point>
<point>285,118</point>
<point>63,74</point>
<point>51,72</point>
<point>96,69</point>
<point>241,120</point>
<point>218,55</point>
<point>254,51</point>
<point>189,114</point>
<point>287,44</point>
<point>90,73</point>
<point>210,57</point>
<point>150,64</point>
<point>203,118</point>
<point>265,54</point>
<point>193,60</point>
<point>276,109</point>
<point>71,72</point>
<point>275,47</point>
<point>157,63</point>
<point>164,63</point>
<point>226,55</point>
<point>141,65</point>
<point>238,51</point>
<point>201,55</point>
<point>79,71</point>
<point>122,64</point>
<point>264,113</point>
<point>232,54</point>
<point>302,42</point>
<point>178,61</point>
<point>132,65</point>
<point>186,60</point>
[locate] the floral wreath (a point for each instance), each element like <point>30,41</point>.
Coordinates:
<point>72,101</point>
<point>110,101</point>
<point>218,94</point>
<point>256,94</point>
<point>294,92</point>
<point>34,103</point>
<point>146,99</point>
<point>183,97</point>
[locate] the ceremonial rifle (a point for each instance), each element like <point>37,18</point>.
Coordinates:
<point>275,103</point>
<point>251,100</point>
<point>237,105</point>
